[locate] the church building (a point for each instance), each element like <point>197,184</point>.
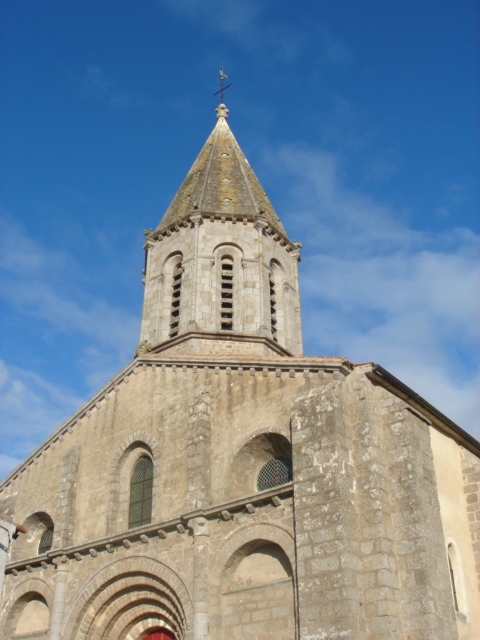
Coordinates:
<point>225,486</point>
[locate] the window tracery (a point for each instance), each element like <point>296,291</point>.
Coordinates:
<point>46,541</point>
<point>275,472</point>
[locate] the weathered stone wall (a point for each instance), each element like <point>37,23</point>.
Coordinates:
<point>457,472</point>
<point>370,555</point>
<point>370,544</point>
<point>471,479</point>
<point>328,562</point>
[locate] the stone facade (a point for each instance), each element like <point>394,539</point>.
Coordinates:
<point>375,535</point>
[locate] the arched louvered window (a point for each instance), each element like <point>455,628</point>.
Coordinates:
<point>46,541</point>
<point>141,487</point>
<point>273,308</point>
<point>176,300</point>
<point>277,471</point>
<point>226,295</point>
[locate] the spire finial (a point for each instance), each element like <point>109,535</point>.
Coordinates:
<point>223,77</point>
<point>222,111</point>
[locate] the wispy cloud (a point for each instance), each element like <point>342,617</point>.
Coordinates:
<point>374,288</point>
<point>32,405</point>
<point>252,24</point>
<point>98,86</point>
<point>33,284</point>
<point>31,408</point>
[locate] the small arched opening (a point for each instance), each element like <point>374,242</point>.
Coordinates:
<point>262,463</point>
<point>38,538</point>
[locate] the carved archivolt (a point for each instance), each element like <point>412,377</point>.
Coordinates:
<point>125,591</point>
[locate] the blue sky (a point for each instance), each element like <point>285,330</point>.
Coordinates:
<point>360,120</point>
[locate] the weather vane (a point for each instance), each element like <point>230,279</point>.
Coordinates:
<point>223,77</point>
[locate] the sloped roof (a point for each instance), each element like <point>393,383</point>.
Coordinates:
<point>221,180</point>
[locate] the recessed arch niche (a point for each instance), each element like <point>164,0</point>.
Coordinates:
<point>257,591</point>
<point>251,458</point>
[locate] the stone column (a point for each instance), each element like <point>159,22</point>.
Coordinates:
<point>196,218</point>
<point>7,531</point>
<point>295,255</point>
<point>199,487</point>
<point>59,598</point>
<point>66,500</point>
<point>260,225</point>
<point>201,549</point>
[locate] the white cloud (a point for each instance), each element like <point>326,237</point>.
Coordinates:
<point>31,408</point>
<point>97,85</point>
<point>34,285</point>
<point>375,289</point>
<point>105,336</point>
<point>253,24</point>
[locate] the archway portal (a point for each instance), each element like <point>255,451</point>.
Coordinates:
<point>160,634</point>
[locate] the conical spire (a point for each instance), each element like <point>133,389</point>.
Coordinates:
<point>221,180</point>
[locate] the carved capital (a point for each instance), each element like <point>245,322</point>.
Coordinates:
<point>143,347</point>
<point>295,255</point>
<point>199,526</point>
<point>260,224</point>
<point>60,562</point>
<point>196,218</point>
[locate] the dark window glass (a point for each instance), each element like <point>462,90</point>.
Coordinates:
<point>141,486</point>
<point>276,472</point>
<point>45,541</point>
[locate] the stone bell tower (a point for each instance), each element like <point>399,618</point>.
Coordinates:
<point>221,273</point>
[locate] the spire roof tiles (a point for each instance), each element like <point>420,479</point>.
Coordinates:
<point>221,180</point>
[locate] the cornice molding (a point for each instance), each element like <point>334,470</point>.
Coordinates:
<point>160,529</point>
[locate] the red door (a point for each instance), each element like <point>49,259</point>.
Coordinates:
<point>161,634</point>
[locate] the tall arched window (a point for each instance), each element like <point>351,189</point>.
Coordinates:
<point>273,307</point>
<point>46,541</point>
<point>176,300</point>
<point>141,486</point>
<point>276,472</point>
<point>454,566</point>
<point>226,295</point>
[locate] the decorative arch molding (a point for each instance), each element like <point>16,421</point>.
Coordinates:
<point>174,257</point>
<point>132,448</point>
<point>34,586</point>
<point>259,432</point>
<point>144,577</point>
<point>225,247</point>
<point>169,270</point>
<point>138,436</point>
<point>252,533</point>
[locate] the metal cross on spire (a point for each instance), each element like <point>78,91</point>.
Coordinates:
<point>223,77</point>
